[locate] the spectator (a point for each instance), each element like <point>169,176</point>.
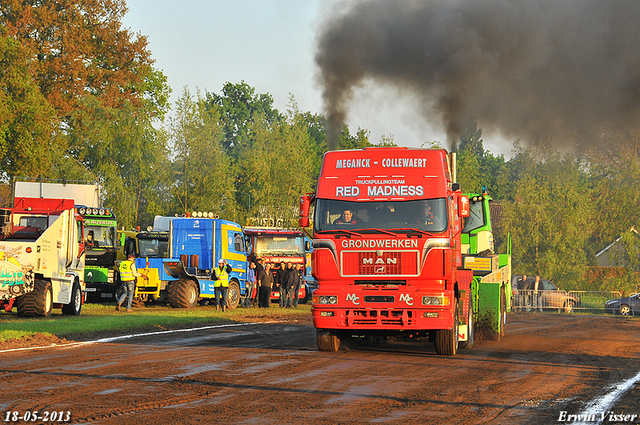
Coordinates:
<point>523,289</point>
<point>128,275</point>
<point>299,281</point>
<point>291,278</point>
<point>281,283</point>
<point>537,294</point>
<point>250,283</point>
<point>221,285</point>
<point>265,287</point>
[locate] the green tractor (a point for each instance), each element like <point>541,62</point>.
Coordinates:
<point>492,272</point>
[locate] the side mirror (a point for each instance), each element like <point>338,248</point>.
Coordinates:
<point>305,206</point>
<point>463,206</point>
<point>455,187</point>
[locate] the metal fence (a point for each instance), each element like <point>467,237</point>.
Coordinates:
<point>563,301</point>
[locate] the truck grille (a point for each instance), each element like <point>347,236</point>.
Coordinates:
<point>389,263</point>
<point>379,298</point>
<point>380,318</point>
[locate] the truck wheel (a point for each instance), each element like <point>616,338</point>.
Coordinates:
<point>38,302</point>
<point>327,341</point>
<point>470,331</point>
<point>233,297</point>
<point>183,294</point>
<point>306,295</point>
<point>446,342</point>
<point>75,305</point>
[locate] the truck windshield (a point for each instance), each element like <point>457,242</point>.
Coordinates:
<point>281,244</point>
<point>155,248</point>
<point>476,217</point>
<point>426,214</point>
<point>100,236</point>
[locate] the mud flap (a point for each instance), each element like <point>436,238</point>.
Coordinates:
<point>489,311</point>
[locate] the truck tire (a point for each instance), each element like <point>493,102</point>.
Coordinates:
<point>446,342</point>
<point>183,294</point>
<point>327,341</point>
<point>307,295</point>
<point>233,296</point>
<point>38,302</point>
<point>75,305</point>
<point>470,329</point>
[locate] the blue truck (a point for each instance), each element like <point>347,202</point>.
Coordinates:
<point>195,246</point>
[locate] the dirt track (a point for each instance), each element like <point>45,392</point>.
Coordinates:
<point>272,373</point>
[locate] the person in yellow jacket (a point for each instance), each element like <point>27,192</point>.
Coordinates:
<point>221,285</point>
<point>128,275</point>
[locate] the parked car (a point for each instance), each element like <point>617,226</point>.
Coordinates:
<point>627,306</point>
<point>551,295</point>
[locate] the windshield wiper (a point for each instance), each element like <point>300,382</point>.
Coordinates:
<point>419,231</point>
<point>382,231</point>
<point>348,232</point>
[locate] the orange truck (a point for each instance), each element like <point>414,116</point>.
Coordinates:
<point>387,254</point>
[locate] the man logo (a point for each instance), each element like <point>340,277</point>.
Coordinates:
<point>406,298</point>
<point>379,261</point>
<point>353,298</point>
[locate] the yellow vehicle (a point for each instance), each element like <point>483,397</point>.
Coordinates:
<point>150,248</point>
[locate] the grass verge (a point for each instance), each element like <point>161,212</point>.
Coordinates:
<point>97,320</point>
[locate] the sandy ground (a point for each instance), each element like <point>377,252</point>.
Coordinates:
<point>268,373</point>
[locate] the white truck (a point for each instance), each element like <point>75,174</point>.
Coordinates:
<point>41,257</point>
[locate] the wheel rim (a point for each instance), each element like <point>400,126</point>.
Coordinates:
<point>624,310</point>
<point>48,301</point>
<point>192,295</point>
<point>77,302</point>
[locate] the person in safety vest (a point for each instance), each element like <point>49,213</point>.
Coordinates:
<point>221,285</point>
<point>128,275</point>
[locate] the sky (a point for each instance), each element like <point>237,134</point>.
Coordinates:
<point>269,44</point>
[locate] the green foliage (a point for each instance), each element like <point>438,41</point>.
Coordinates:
<point>27,121</point>
<point>238,107</point>
<point>548,217</point>
<point>203,178</point>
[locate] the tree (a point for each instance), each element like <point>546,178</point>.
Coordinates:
<point>277,169</point>
<point>477,167</point>
<point>121,148</point>
<point>205,176</point>
<point>238,107</point>
<point>550,216</point>
<point>27,131</point>
<point>79,47</point>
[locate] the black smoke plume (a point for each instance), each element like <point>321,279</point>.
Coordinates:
<point>525,68</point>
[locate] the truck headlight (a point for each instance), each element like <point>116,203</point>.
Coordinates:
<point>325,299</point>
<point>437,300</point>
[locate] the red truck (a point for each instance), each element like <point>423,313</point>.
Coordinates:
<point>277,245</point>
<point>386,248</point>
